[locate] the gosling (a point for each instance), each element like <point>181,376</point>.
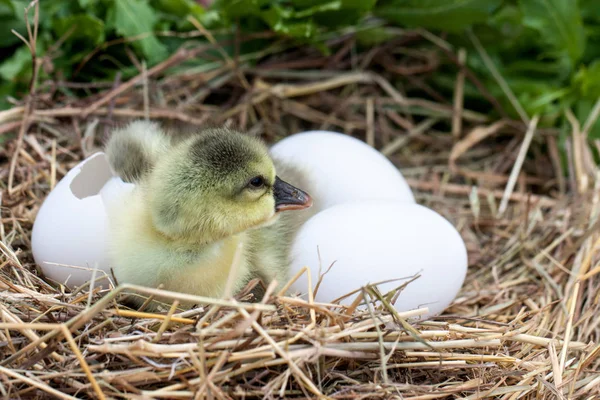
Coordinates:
<point>199,200</point>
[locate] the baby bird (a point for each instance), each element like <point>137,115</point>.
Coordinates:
<point>198,200</point>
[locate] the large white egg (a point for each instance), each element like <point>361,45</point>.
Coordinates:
<point>375,241</point>
<point>69,236</point>
<point>342,169</point>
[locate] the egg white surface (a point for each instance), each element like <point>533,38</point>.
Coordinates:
<point>374,241</point>
<point>342,169</point>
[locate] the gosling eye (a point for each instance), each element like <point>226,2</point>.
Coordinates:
<point>257,182</point>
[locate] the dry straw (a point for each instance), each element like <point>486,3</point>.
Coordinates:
<point>526,324</point>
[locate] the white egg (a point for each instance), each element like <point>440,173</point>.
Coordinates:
<point>69,236</point>
<point>375,241</point>
<point>342,169</point>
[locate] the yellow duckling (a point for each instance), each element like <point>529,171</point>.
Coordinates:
<point>198,198</point>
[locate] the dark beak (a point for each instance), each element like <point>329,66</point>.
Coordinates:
<point>288,197</point>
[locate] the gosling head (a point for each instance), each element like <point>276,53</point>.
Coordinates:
<point>217,184</point>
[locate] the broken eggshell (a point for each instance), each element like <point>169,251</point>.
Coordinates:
<point>69,237</point>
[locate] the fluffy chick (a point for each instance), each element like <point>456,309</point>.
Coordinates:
<point>199,199</point>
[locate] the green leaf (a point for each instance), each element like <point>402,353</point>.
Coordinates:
<point>19,8</point>
<point>6,89</point>
<point>135,17</point>
<point>589,10</point>
<point>280,21</point>
<point>559,25</point>
<point>538,68</point>
<point>374,36</point>
<point>7,8</point>
<point>506,23</point>
<point>234,9</point>
<point>55,9</point>
<point>300,19</point>
<point>535,96</point>
<point>587,81</point>
<point>583,108</point>
<point>12,17</point>
<point>81,27</point>
<point>85,4</point>
<point>364,5</point>
<point>349,12</point>
<point>14,65</point>
<point>7,38</point>
<point>317,8</point>
<point>177,8</point>
<point>447,15</point>
<point>209,19</point>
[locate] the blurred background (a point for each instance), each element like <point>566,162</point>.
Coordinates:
<point>542,52</point>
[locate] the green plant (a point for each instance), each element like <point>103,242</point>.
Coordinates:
<point>547,51</point>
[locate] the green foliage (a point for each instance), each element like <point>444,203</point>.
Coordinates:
<point>548,51</point>
<point>300,19</point>
<point>448,15</point>
<point>559,24</point>
<point>16,64</point>
<point>136,18</point>
<point>8,10</point>
<point>587,81</point>
<point>80,27</point>
<point>90,38</point>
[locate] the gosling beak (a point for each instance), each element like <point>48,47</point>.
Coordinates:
<point>288,197</point>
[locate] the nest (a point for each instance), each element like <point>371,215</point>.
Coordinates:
<point>525,325</point>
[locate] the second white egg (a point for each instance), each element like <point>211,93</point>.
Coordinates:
<point>342,169</point>
<point>375,241</point>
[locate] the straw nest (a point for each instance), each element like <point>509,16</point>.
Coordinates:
<point>525,325</point>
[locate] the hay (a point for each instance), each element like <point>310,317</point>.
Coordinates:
<point>525,325</point>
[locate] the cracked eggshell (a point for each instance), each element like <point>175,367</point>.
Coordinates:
<point>375,241</point>
<point>69,236</point>
<point>342,169</point>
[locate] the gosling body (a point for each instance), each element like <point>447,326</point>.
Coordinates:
<point>201,204</point>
